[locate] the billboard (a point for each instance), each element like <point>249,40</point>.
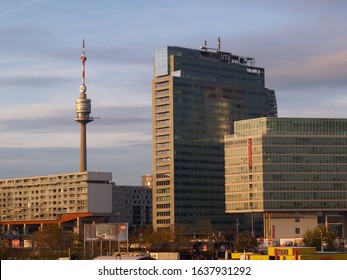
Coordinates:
<point>106,232</point>
<point>15,243</point>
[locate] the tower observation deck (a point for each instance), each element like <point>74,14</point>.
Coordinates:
<point>83,110</point>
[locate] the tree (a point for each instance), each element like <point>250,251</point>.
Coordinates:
<point>51,237</point>
<point>319,236</point>
<point>5,251</point>
<point>245,241</point>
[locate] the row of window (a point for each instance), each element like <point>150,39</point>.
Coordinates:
<point>30,181</point>
<point>268,159</point>
<point>163,130</point>
<point>162,214</point>
<point>288,140</point>
<point>309,141</point>
<point>165,99</point>
<point>165,221</point>
<point>162,168</point>
<point>162,107</point>
<point>161,84</point>
<point>162,115</point>
<point>163,160</point>
<point>286,186</point>
<point>163,198</point>
<point>298,177</point>
<point>294,150</point>
<point>161,92</point>
<point>165,137</point>
<point>163,123</point>
<point>163,183</point>
<point>163,206</point>
<point>161,191</point>
<point>163,175</point>
<point>287,196</point>
<point>288,168</point>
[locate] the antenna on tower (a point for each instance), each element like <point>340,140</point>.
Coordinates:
<point>83,110</point>
<point>83,87</point>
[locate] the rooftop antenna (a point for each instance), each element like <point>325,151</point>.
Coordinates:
<point>83,110</point>
<point>206,48</point>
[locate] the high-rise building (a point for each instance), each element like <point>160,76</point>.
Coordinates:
<point>197,95</point>
<point>293,170</point>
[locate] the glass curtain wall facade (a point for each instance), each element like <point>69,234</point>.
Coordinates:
<point>287,165</point>
<point>197,96</point>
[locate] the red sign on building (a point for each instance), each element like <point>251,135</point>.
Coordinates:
<point>250,157</point>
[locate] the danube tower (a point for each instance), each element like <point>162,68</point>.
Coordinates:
<point>83,110</point>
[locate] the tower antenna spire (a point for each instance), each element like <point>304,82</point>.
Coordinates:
<point>83,110</point>
<point>83,59</point>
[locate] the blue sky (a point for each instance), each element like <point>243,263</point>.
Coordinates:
<point>301,45</point>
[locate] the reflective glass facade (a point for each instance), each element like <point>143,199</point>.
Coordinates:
<point>194,106</point>
<point>287,165</point>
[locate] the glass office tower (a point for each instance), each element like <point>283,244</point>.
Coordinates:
<point>197,95</point>
<point>287,165</point>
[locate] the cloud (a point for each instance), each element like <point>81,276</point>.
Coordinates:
<point>52,125</point>
<point>313,71</point>
<point>127,163</point>
<point>18,6</point>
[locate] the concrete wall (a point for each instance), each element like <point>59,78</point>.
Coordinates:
<point>99,176</point>
<point>99,198</point>
<point>284,227</point>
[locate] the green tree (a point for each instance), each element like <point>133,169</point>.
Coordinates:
<point>75,243</point>
<point>319,236</point>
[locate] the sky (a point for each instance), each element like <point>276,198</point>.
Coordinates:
<point>301,44</point>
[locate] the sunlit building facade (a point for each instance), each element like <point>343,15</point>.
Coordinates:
<point>287,168</point>
<point>30,202</point>
<point>197,95</point>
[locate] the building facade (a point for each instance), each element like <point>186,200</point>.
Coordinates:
<point>290,169</point>
<point>31,202</point>
<point>196,97</point>
<point>131,204</point>
<point>147,180</point>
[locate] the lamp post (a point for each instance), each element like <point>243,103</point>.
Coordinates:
<point>237,227</point>
<point>253,224</point>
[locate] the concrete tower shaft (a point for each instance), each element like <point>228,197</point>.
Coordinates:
<point>83,110</point>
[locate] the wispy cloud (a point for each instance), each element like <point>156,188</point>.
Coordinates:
<point>326,69</point>
<point>16,6</point>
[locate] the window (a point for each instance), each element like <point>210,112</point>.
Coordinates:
<point>297,230</point>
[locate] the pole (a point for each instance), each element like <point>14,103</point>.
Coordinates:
<point>84,241</point>
<point>252,224</point>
